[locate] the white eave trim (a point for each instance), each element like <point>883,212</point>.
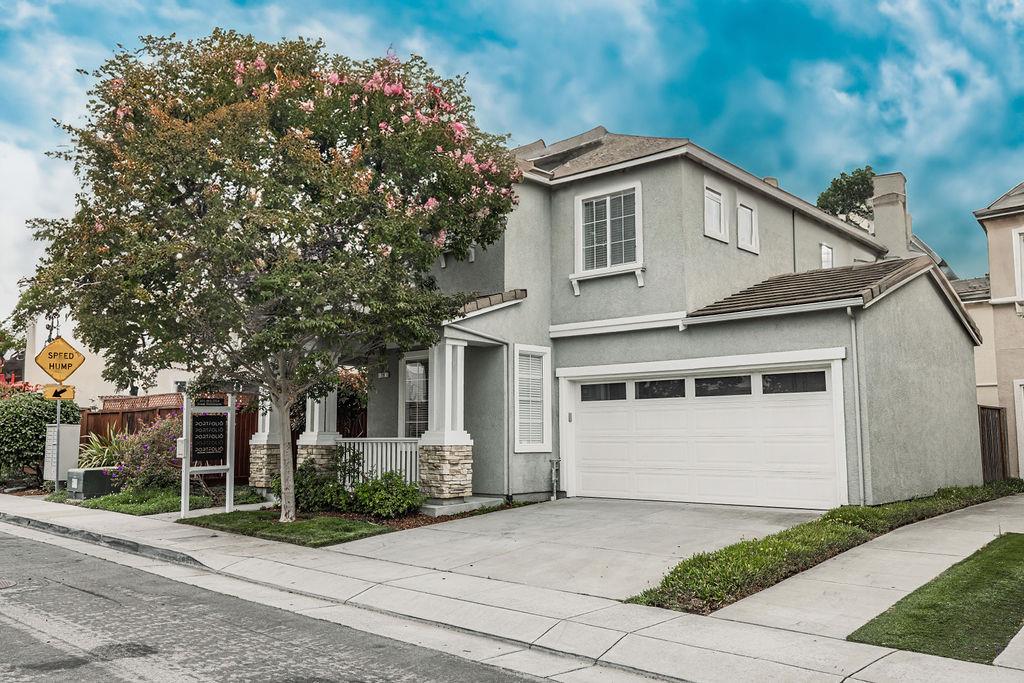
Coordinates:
<point>609,325</point>
<point>768,312</point>
<point>698,364</point>
<point>482,311</point>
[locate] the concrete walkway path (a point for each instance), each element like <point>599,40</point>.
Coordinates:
<point>842,594</point>
<point>558,634</point>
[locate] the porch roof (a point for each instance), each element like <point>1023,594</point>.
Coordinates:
<point>489,300</point>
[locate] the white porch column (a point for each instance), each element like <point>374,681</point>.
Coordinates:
<point>446,448</point>
<point>265,446</point>
<point>320,440</point>
<point>447,403</point>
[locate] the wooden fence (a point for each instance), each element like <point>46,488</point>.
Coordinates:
<point>992,424</point>
<point>131,413</point>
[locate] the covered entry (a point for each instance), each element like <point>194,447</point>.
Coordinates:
<point>761,435</point>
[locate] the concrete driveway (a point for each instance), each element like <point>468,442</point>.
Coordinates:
<point>608,548</point>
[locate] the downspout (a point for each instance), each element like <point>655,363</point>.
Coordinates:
<point>504,398</point>
<point>856,404</point>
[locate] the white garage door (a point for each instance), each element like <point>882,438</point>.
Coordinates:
<point>752,438</point>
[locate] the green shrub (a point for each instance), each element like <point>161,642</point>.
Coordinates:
<point>708,581</point>
<point>103,451</point>
<point>388,496</point>
<point>149,456</point>
<point>23,419</point>
<point>315,490</point>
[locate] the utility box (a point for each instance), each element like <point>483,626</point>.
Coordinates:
<point>89,482</point>
<point>68,451</point>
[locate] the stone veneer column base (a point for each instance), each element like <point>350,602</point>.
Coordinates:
<point>264,464</point>
<point>320,455</point>
<point>446,472</point>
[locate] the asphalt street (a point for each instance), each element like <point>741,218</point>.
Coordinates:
<point>71,617</point>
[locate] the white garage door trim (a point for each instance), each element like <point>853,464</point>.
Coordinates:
<point>828,358</point>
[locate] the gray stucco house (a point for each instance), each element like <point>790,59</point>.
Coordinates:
<point>669,326</point>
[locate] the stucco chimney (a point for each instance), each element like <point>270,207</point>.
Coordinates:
<point>892,222</point>
<point>771,180</point>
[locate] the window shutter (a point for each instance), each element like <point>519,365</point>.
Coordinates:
<point>746,225</point>
<point>712,212</point>
<point>530,408</point>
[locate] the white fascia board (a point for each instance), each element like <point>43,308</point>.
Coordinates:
<point>955,303</point>
<point>482,311</point>
<point>608,325</point>
<point>769,312</point>
<point>751,360</point>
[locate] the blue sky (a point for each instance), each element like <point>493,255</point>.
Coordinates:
<point>796,89</point>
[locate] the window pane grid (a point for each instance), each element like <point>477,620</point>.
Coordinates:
<point>530,403</point>
<point>416,391</point>
<point>609,230</point>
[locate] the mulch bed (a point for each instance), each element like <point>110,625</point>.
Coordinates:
<point>29,492</point>
<point>412,521</point>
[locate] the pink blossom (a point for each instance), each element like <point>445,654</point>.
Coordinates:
<point>394,88</point>
<point>259,64</point>
<point>431,204</point>
<point>328,91</point>
<point>239,66</point>
<point>440,239</point>
<point>458,129</point>
<point>385,127</point>
<point>354,98</point>
<point>385,250</point>
<point>333,78</point>
<point>421,117</point>
<point>238,79</point>
<point>122,111</point>
<point>406,118</point>
<point>375,82</point>
<point>306,105</point>
<point>393,58</point>
<point>117,84</point>
<point>440,149</point>
<point>468,159</point>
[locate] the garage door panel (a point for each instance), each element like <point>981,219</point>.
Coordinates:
<point>775,450</point>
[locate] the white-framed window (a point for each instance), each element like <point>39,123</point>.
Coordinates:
<point>826,256</point>
<point>716,224</point>
<point>532,374</point>
<point>610,230</point>
<point>747,237</point>
<point>413,394</point>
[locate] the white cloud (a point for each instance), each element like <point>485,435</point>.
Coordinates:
<point>20,13</point>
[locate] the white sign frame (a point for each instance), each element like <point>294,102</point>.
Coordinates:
<point>187,470</point>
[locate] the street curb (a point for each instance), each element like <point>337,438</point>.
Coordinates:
<point>175,557</point>
<point>112,542</point>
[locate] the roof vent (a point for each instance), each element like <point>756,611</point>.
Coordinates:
<point>771,180</point>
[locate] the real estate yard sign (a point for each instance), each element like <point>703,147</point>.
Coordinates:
<point>59,360</point>
<point>209,425</point>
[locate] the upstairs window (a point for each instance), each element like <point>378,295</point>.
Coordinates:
<point>610,230</point>
<point>714,217</point>
<point>746,226</point>
<point>826,256</point>
<point>415,405</point>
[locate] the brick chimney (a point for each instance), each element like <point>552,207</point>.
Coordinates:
<point>892,225</point>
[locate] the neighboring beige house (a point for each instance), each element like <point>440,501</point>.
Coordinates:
<point>88,379</point>
<point>996,302</point>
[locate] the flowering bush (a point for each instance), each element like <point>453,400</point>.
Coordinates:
<point>149,456</point>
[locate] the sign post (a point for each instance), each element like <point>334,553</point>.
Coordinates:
<point>209,434</point>
<point>59,360</point>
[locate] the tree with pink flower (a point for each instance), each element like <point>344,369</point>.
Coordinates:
<point>264,213</point>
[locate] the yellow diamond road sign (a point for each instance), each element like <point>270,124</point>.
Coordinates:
<point>59,392</point>
<point>59,359</point>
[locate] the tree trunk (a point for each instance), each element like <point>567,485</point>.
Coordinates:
<point>287,467</point>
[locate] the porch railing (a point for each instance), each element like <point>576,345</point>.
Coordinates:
<point>387,455</point>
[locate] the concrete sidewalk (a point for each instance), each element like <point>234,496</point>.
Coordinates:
<point>544,632</point>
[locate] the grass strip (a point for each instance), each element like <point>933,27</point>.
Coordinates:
<point>154,500</point>
<point>969,612</point>
<point>308,531</point>
<point>709,581</point>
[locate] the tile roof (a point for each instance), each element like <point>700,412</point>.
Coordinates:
<point>973,289</point>
<point>814,286</point>
<point>488,300</point>
<point>591,150</point>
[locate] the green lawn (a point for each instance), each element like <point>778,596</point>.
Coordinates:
<point>709,581</point>
<point>969,612</point>
<point>311,531</point>
<point>154,501</point>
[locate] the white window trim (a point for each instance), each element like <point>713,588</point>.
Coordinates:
<point>1018,409</point>
<point>545,353</point>
<point>717,187</point>
<point>1017,234</point>
<point>636,267</point>
<point>754,247</point>
<point>831,251</point>
<point>411,355</point>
